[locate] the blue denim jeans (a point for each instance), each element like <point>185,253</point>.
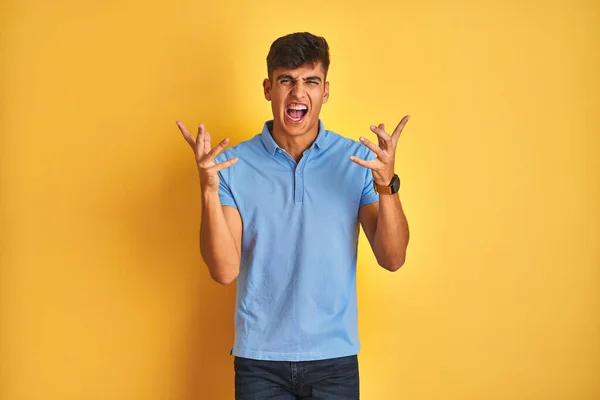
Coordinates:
<point>331,379</point>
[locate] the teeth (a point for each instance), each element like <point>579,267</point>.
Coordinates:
<point>297,107</point>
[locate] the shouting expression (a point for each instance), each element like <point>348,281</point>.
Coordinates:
<point>296,97</point>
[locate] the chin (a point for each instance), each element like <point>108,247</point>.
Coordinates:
<point>298,128</point>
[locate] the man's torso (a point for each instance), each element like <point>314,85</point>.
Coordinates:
<point>296,290</point>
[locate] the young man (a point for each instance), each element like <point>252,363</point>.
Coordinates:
<point>280,213</point>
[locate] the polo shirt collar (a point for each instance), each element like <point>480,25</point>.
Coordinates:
<point>322,142</point>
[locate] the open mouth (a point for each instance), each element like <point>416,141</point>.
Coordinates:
<point>296,112</point>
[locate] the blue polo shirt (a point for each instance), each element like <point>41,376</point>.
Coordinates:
<point>296,290</point>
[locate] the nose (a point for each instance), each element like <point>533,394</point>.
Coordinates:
<point>298,90</point>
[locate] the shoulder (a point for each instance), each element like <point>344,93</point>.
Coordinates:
<point>242,149</point>
<point>348,146</point>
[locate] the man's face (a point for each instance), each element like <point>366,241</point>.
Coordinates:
<point>296,96</point>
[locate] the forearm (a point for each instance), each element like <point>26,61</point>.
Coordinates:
<point>391,234</point>
<point>217,244</point>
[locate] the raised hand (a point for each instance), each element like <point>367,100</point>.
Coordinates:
<point>205,157</point>
<point>383,165</point>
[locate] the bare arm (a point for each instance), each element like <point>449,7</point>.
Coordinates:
<point>220,226</point>
<point>386,229</point>
<point>384,222</point>
<point>220,239</point>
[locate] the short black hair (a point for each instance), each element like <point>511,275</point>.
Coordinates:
<point>297,49</point>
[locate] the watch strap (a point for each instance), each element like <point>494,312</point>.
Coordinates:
<point>392,188</point>
<point>382,189</point>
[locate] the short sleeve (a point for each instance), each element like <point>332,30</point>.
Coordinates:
<point>368,194</point>
<point>225,194</point>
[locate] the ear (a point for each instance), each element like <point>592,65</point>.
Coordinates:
<point>326,93</point>
<point>267,89</point>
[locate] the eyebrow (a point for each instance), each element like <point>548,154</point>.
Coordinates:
<point>312,78</point>
<point>308,78</point>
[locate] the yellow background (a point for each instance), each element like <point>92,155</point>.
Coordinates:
<point>102,291</point>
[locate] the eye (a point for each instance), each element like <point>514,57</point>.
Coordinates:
<point>313,82</point>
<point>284,81</point>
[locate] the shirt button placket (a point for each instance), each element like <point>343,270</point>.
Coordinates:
<point>299,184</point>
<point>299,178</point>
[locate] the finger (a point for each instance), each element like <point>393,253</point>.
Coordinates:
<point>381,142</point>
<point>207,143</point>
<point>367,164</point>
<point>398,130</point>
<point>186,135</point>
<point>218,149</point>
<point>385,138</point>
<point>375,149</point>
<point>224,164</point>
<point>200,141</point>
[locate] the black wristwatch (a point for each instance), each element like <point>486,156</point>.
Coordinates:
<point>392,188</point>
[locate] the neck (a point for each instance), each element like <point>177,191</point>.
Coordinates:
<point>294,145</point>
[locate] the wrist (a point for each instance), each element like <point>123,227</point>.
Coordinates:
<point>390,187</point>
<point>209,194</point>
<point>383,179</point>
<point>382,182</point>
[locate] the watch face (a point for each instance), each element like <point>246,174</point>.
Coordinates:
<point>395,185</point>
